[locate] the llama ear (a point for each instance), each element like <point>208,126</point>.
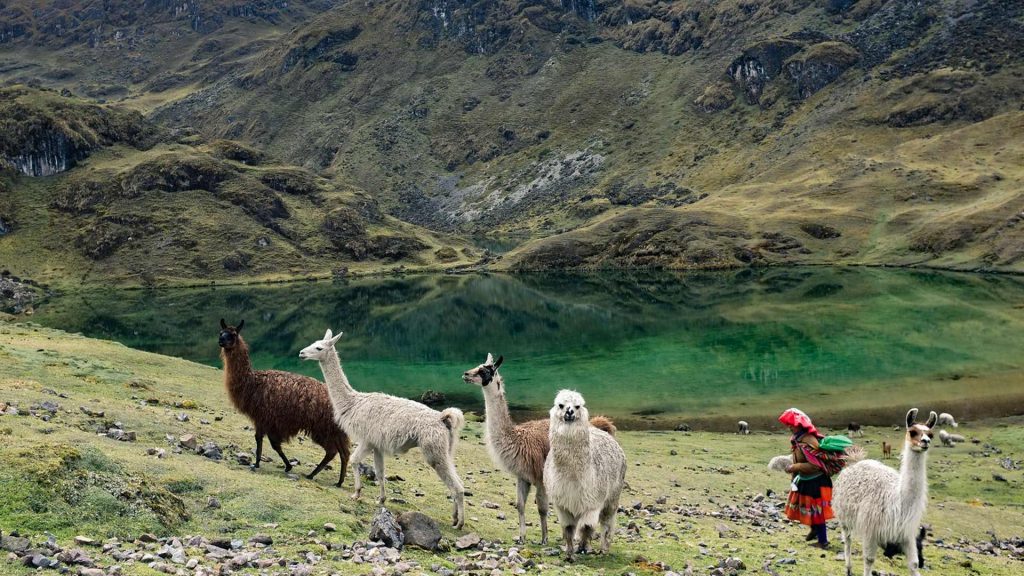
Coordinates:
<point>240,325</point>
<point>932,418</point>
<point>911,416</point>
<point>328,335</point>
<point>498,363</point>
<point>336,338</point>
<point>490,360</point>
<point>223,324</point>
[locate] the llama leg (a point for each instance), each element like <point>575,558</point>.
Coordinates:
<point>910,549</point>
<point>847,549</point>
<point>870,550</point>
<point>329,455</point>
<point>356,458</point>
<point>259,448</point>
<point>275,443</point>
<point>378,468</point>
<point>607,526</point>
<point>522,492</point>
<point>586,533</point>
<point>445,470</point>
<point>568,532</point>
<point>542,509</point>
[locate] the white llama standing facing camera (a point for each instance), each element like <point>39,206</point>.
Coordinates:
<point>583,474</point>
<point>883,507</point>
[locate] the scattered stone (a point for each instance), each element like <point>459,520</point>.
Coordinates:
<point>329,527</point>
<point>684,427</point>
<point>85,541</point>
<point>213,503</point>
<point>261,539</point>
<point>385,528</point>
<point>148,538</point>
<point>420,530</point>
<point>211,451</point>
<point>673,452</point>
<point>15,544</point>
<point>367,472</point>
<point>182,417</point>
<point>490,505</point>
<point>91,572</point>
<point>243,458</point>
<point>999,478</point>
<point>467,541</point>
<point>188,441</point>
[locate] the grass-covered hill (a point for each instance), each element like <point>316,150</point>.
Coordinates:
<point>599,132</point>
<point>141,205</point>
<point>93,435</point>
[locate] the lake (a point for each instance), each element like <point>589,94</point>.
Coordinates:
<point>652,349</point>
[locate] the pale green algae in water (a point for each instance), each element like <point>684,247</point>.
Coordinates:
<point>651,349</point>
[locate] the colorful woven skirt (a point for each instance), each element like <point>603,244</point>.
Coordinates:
<point>811,502</point>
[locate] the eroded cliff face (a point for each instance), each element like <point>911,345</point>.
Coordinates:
<point>43,133</point>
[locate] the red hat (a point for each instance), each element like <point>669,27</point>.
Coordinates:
<point>796,417</point>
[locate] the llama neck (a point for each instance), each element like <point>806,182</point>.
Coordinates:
<point>337,383</point>
<point>238,372</point>
<point>913,481</point>
<point>570,447</point>
<point>499,422</point>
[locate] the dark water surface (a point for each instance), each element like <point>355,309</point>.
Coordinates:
<point>651,349</point>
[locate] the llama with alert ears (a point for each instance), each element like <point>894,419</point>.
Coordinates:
<point>519,449</point>
<point>387,425</point>
<point>583,474</point>
<point>280,404</point>
<point>884,507</point>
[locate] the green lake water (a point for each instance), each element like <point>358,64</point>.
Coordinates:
<point>652,349</point>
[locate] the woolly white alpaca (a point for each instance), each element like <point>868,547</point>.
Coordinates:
<point>742,427</point>
<point>946,419</point>
<point>387,425</point>
<point>882,507</point>
<point>583,474</point>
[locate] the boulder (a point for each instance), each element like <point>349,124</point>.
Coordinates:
<point>420,530</point>
<point>385,528</point>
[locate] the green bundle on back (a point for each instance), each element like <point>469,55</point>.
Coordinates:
<point>832,453</point>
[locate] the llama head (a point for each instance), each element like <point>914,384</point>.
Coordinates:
<point>229,335</point>
<point>319,349</point>
<point>485,373</point>
<point>570,407</point>
<point>919,436</point>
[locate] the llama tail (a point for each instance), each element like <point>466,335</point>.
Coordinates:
<point>603,423</point>
<point>453,419</point>
<point>855,454</point>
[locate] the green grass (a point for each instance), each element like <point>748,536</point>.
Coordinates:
<point>61,477</point>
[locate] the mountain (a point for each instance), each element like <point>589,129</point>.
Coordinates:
<point>595,133</point>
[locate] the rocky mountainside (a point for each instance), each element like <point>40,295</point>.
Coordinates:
<point>595,132</point>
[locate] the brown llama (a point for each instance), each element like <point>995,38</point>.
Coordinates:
<point>280,404</point>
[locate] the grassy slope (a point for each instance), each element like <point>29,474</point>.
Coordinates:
<point>41,463</point>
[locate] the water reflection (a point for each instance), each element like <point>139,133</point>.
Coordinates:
<point>647,347</point>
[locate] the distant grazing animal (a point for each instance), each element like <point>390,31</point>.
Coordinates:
<point>583,474</point>
<point>881,506</point>
<point>780,463</point>
<point>280,404</point>
<point>386,425</point>
<point>946,419</point>
<point>854,428</point>
<point>948,439</point>
<point>742,427</point>
<point>519,449</point>
<point>886,450</point>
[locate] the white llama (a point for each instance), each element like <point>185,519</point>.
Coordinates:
<point>519,449</point>
<point>883,507</point>
<point>387,425</point>
<point>742,427</point>
<point>583,474</point>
